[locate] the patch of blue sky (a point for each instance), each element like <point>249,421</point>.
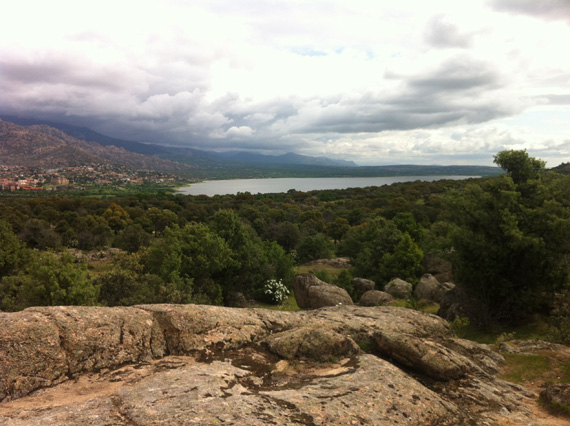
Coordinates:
<point>307,51</point>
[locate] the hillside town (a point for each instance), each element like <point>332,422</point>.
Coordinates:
<point>19,178</point>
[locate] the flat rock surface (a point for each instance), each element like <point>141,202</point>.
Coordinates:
<point>196,365</point>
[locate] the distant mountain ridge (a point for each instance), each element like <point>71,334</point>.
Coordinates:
<point>88,135</point>
<point>183,155</point>
<point>59,145</point>
<point>289,158</point>
<point>42,146</point>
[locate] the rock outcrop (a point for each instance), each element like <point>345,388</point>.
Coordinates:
<point>375,298</point>
<point>312,293</point>
<point>429,288</point>
<point>557,396</point>
<point>196,365</point>
<point>440,268</point>
<point>426,287</point>
<point>399,289</point>
<point>361,286</point>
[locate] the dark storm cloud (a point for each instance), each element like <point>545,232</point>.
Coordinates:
<point>47,69</point>
<point>461,90</point>
<point>546,9</point>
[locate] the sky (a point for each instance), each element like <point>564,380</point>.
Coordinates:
<point>373,81</point>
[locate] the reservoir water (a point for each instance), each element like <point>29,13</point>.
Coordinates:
<point>278,185</point>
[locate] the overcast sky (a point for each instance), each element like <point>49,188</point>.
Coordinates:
<point>374,81</point>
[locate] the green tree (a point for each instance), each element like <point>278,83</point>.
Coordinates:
<point>117,218</point>
<point>511,253</point>
<point>254,261</point>
<point>314,247</point>
<point>13,254</point>
<point>380,251</point>
<point>49,280</point>
<point>38,234</point>
<point>519,165</point>
<point>404,262</point>
<point>338,228</point>
<point>161,219</point>
<point>132,238</point>
<point>126,284</point>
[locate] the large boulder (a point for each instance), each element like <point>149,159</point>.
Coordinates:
<point>312,293</point>
<point>375,298</point>
<point>557,396</point>
<point>426,287</point>
<point>398,288</point>
<point>361,286</point>
<point>440,268</point>
<point>454,303</point>
<point>441,291</point>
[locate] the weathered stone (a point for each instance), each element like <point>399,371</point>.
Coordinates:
<point>375,298</point>
<point>398,288</point>
<point>440,268</point>
<point>372,392</point>
<point>361,286</point>
<point>422,355</point>
<point>536,345</point>
<point>312,293</point>
<point>31,356</point>
<point>486,358</point>
<point>219,393</point>
<point>95,338</point>
<point>508,348</point>
<point>426,287</point>
<point>454,304</point>
<point>441,291</point>
<point>557,395</point>
<point>307,342</point>
<point>225,374</point>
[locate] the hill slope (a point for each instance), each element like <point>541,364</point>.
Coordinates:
<point>46,147</point>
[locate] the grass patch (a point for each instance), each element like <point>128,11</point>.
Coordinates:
<point>522,368</point>
<point>536,329</point>
<point>290,305</point>
<point>325,271</point>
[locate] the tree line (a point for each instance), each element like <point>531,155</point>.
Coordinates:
<point>507,237</point>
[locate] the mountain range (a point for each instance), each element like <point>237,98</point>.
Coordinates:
<point>42,144</point>
<point>182,155</point>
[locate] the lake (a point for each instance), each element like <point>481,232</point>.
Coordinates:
<point>278,185</point>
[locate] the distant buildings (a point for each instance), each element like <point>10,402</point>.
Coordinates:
<point>59,180</point>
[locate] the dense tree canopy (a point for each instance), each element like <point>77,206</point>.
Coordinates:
<point>512,245</point>
<point>508,238</point>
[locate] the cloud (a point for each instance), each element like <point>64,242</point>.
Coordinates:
<point>359,80</point>
<point>442,34</point>
<point>239,132</point>
<point>547,9</point>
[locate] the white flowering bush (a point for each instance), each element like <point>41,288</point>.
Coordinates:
<point>276,291</point>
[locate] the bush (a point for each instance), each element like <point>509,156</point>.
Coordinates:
<point>275,291</point>
<point>559,321</point>
<point>315,247</point>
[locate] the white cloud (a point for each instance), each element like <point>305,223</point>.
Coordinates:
<point>239,132</point>
<point>407,81</point>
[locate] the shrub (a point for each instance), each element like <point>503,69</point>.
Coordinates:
<point>275,291</point>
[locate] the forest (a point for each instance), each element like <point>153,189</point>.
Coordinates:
<point>508,238</point>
